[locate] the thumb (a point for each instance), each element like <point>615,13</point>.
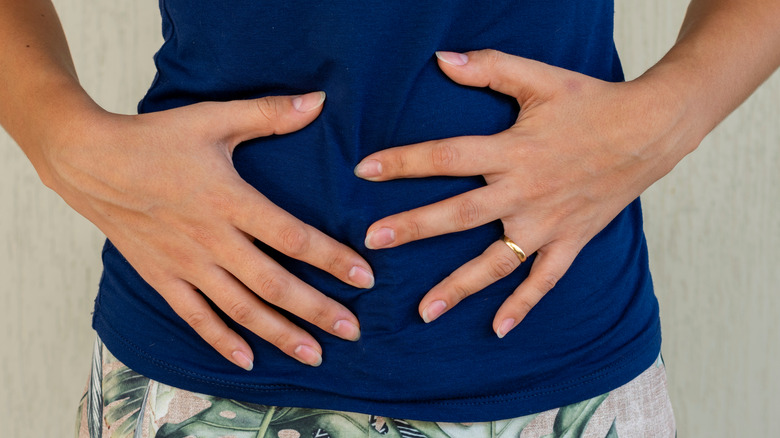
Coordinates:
<point>247,119</point>
<point>521,78</point>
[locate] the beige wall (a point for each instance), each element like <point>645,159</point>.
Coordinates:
<point>713,227</point>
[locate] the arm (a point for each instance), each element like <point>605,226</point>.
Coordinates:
<point>40,88</point>
<point>552,193</point>
<point>724,51</point>
<point>163,188</point>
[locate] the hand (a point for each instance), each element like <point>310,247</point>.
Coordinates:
<point>580,151</point>
<point>163,188</point>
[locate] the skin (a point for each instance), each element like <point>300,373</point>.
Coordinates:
<point>552,193</point>
<point>163,188</point>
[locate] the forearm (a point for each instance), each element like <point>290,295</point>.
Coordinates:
<point>725,50</point>
<point>40,96</point>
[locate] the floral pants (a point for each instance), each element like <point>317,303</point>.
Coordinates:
<point>120,403</point>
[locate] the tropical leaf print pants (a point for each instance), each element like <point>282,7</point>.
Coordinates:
<point>120,403</point>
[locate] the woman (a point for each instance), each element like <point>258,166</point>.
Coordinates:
<point>555,197</point>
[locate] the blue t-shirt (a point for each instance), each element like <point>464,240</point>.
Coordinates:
<point>596,330</point>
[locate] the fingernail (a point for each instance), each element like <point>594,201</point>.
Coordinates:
<point>243,360</point>
<point>308,355</point>
<point>347,330</point>
<point>505,327</point>
<point>308,102</point>
<point>453,58</point>
<point>380,238</point>
<point>434,310</point>
<point>369,169</point>
<point>361,277</point>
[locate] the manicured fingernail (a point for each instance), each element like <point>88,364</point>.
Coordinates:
<point>308,102</point>
<point>243,360</point>
<point>434,310</point>
<point>380,238</point>
<point>369,169</point>
<point>347,330</point>
<point>308,355</point>
<point>361,277</point>
<point>505,327</point>
<point>453,58</point>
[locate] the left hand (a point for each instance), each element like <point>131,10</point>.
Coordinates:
<point>580,151</point>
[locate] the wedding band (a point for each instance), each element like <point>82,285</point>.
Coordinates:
<point>513,246</point>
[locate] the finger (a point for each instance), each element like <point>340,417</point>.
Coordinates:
<point>196,312</point>
<point>462,212</point>
<point>246,309</point>
<point>263,276</point>
<point>515,76</point>
<point>495,263</point>
<point>242,120</point>
<point>458,156</point>
<point>284,232</point>
<point>549,266</point>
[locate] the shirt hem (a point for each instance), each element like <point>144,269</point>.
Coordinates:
<point>468,409</point>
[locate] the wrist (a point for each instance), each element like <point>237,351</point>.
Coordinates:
<point>673,110</point>
<point>653,128</point>
<point>676,89</point>
<point>56,116</point>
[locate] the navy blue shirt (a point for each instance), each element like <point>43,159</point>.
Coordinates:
<point>596,330</point>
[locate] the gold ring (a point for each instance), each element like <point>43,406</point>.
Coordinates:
<point>513,246</point>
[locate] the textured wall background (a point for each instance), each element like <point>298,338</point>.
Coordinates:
<point>713,227</point>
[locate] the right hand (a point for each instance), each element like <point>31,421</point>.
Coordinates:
<point>163,189</point>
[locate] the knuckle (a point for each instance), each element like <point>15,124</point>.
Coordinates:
<point>460,292</point>
<point>241,313</point>
<point>335,262</point>
<point>444,156</point>
<point>198,320</point>
<point>547,281</point>
<point>415,228</point>
<point>267,109</point>
<point>282,339</point>
<point>219,342</point>
<point>467,213</point>
<point>502,266</point>
<point>538,189</point>
<point>203,234</point>
<point>493,57</point>
<point>221,202</point>
<point>160,280</point>
<point>274,289</point>
<point>294,240</point>
<point>320,316</point>
<point>523,306</point>
<point>185,259</point>
<point>400,163</point>
<point>573,84</point>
